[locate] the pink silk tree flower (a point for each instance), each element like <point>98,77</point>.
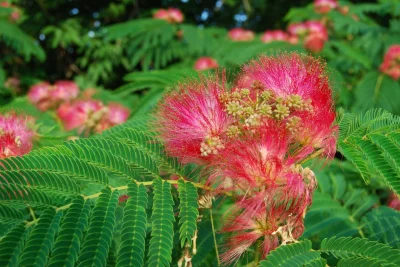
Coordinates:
<point>172,15</point>
<point>298,29</point>
<point>82,115</point>
<point>114,114</point>
<point>64,91</point>
<point>274,35</point>
<point>302,96</point>
<point>240,34</point>
<point>205,63</point>
<point>324,6</point>
<point>39,95</point>
<point>254,160</point>
<point>161,14</point>
<point>274,225</point>
<point>391,62</point>
<point>16,137</point>
<point>175,15</point>
<point>191,121</point>
<point>394,201</point>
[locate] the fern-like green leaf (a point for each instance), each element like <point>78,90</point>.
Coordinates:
<point>188,211</point>
<point>68,242</point>
<point>347,247</point>
<point>11,246</point>
<point>383,225</point>
<point>98,238</point>
<point>297,254</point>
<point>162,218</point>
<point>41,239</point>
<point>131,251</point>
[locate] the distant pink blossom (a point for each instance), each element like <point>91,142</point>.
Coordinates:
<point>274,35</point>
<point>64,91</point>
<point>313,33</point>
<point>240,34</point>
<point>324,6</point>
<point>391,62</point>
<point>13,83</point>
<point>205,63</point>
<point>15,13</point>
<point>39,95</point>
<point>394,201</point>
<point>172,15</point>
<point>91,115</point>
<point>45,96</point>
<point>16,135</point>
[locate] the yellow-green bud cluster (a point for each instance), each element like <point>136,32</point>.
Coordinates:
<point>251,109</point>
<point>211,146</point>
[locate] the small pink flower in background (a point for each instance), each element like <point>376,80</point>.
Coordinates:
<point>39,95</point>
<point>64,91</point>
<point>16,135</point>
<point>192,120</point>
<point>274,35</point>
<point>324,6</point>
<point>45,96</point>
<point>175,15</point>
<point>394,202</point>
<point>391,62</point>
<point>77,115</point>
<point>205,63</point>
<point>313,33</point>
<point>298,29</point>
<point>240,34</point>
<point>172,15</point>
<point>16,12</point>
<point>91,115</point>
<point>13,83</point>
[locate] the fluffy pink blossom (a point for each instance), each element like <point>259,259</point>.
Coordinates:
<point>91,115</point>
<point>192,121</point>
<point>15,135</point>
<point>64,91</point>
<point>324,6</point>
<point>298,29</point>
<point>274,35</point>
<point>205,63</point>
<point>313,32</point>
<point>240,34</point>
<point>391,62</point>
<point>172,15</point>
<point>175,15</point>
<point>302,77</point>
<point>45,96</point>
<point>39,95</point>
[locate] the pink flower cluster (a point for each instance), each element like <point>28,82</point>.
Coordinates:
<point>391,62</point>
<point>16,135</point>
<point>15,13</point>
<point>325,6</point>
<point>313,33</point>
<point>240,35</point>
<point>46,96</point>
<point>172,15</point>
<point>253,137</point>
<point>205,63</point>
<point>278,35</point>
<point>394,201</point>
<point>91,115</point>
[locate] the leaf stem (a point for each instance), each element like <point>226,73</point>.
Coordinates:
<point>147,183</point>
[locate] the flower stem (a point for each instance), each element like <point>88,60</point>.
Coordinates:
<point>215,238</point>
